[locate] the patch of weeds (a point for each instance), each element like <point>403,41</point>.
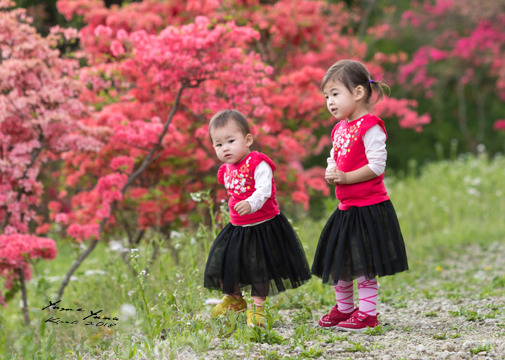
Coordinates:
<point>470,315</point>
<point>376,346</point>
<point>378,330</point>
<point>303,315</point>
<point>226,325</point>
<point>356,347</point>
<point>334,338</point>
<point>225,355</point>
<point>493,314</point>
<point>312,353</point>
<point>455,336</point>
<point>408,328</point>
<point>260,335</point>
<point>272,315</point>
<point>441,336</point>
<point>400,304</point>
<point>431,314</point>
<point>303,332</point>
<point>270,355</point>
<point>428,295</point>
<point>481,348</point>
<point>453,295</point>
<point>498,282</point>
<point>494,307</point>
<point>229,344</point>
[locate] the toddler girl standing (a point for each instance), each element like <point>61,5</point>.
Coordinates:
<point>362,238</point>
<point>258,249</point>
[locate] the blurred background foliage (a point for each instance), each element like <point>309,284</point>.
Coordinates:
<point>407,148</point>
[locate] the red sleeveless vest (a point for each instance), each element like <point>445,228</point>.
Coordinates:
<point>239,182</point>
<point>349,155</point>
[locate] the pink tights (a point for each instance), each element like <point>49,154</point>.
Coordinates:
<point>367,293</point>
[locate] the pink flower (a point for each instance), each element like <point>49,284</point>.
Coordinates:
<point>117,48</point>
<point>499,125</point>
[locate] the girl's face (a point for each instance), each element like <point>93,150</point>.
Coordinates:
<point>230,144</point>
<point>342,103</point>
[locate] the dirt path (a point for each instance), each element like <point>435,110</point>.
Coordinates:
<point>457,314</point>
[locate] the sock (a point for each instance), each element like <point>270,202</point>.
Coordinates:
<point>258,301</point>
<point>367,293</point>
<point>345,296</point>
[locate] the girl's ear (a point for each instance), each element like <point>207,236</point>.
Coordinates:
<point>359,92</point>
<point>249,139</point>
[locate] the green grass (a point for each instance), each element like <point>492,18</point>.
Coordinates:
<point>450,206</point>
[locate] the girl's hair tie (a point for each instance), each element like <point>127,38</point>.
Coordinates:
<point>370,81</point>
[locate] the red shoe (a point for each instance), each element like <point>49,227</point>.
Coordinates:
<point>358,322</point>
<point>334,317</point>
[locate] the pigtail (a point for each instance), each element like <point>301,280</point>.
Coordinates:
<point>378,87</point>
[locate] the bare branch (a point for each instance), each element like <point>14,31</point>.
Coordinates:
<point>149,158</point>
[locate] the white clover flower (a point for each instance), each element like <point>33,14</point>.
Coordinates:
<point>175,234</point>
<point>476,181</point>
<point>473,192</point>
<point>128,310</point>
<point>116,246</point>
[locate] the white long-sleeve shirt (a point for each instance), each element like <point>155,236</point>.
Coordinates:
<point>375,150</point>
<point>263,183</point>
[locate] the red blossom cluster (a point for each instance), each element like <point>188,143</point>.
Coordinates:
<point>16,252</point>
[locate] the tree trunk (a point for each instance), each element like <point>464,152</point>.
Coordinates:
<point>26,315</point>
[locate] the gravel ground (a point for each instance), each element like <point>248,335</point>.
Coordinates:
<point>469,324</point>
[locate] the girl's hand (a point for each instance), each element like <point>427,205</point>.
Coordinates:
<point>242,207</point>
<point>334,176</point>
<point>340,177</point>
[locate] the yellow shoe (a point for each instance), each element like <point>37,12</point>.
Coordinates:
<point>256,317</point>
<point>228,303</point>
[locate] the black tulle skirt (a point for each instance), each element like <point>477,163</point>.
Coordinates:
<point>361,241</point>
<point>265,259</point>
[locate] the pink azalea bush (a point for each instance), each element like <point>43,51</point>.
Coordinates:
<point>39,108</point>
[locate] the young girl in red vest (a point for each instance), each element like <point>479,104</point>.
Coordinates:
<point>258,249</point>
<point>362,238</point>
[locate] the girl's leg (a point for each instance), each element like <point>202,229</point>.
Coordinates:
<point>367,292</point>
<point>344,293</point>
<point>229,302</point>
<point>258,301</point>
<point>256,315</point>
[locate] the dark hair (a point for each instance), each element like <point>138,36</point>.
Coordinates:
<point>352,73</point>
<point>221,119</point>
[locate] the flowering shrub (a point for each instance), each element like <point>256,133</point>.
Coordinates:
<point>16,252</point>
<point>462,61</point>
<point>140,54</point>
